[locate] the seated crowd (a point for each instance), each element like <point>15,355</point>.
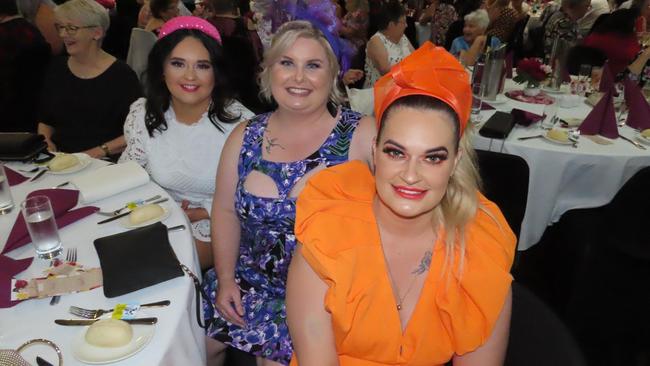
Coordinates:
<point>252,94</point>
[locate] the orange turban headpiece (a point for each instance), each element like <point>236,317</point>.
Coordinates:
<point>431,71</point>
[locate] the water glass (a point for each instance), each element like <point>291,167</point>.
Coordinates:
<point>6,201</point>
<point>550,113</point>
<point>477,96</point>
<point>41,225</point>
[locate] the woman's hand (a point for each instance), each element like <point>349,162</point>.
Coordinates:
<point>228,302</point>
<point>194,214</point>
<point>351,76</point>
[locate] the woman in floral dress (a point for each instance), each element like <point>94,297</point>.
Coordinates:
<point>263,167</point>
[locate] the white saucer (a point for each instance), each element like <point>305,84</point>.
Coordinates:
<point>500,99</point>
<point>87,353</point>
<point>568,142</point>
<point>84,161</point>
<point>127,224</point>
<point>548,90</point>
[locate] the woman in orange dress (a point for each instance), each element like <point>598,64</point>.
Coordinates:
<point>409,264</point>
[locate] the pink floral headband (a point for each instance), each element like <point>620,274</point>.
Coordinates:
<point>189,22</point>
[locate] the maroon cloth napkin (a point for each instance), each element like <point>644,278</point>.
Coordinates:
<point>606,80</point>
<point>638,115</point>
<point>602,119</point>
<point>525,118</point>
<point>63,200</point>
<point>486,107</point>
<point>14,177</point>
<point>509,57</point>
<point>8,269</point>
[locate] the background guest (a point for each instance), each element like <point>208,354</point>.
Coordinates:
<point>87,95</point>
<point>24,55</point>
<point>41,14</point>
<point>389,45</point>
<point>563,23</point>
<point>596,9</point>
<point>471,44</point>
<point>614,36</point>
<point>177,133</point>
<point>161,12</point>
<point>440,14</point>
<point>264,166</point>
<point>502,19</point>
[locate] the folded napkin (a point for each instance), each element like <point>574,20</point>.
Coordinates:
<point>9,268</point>
<point>638,115</point>
<point>525,118</point>
<point>509,58</point>
<point>109,180</point>
<point>63,200</point>
<point>607,80</point>
<point>14,177</point>
<point>602,118</point>
<point>486,107</point>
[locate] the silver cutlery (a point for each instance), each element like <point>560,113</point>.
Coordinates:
<point>91,321</point>
<point>40,174</point>
<point>117,212</point>
<point>96,313</point>
<point>128,212</point>
<point>574,137</point>
<point>530,137</point>
<point>34,170</point>
<point>176,228</point>
<point>70,256</point>
<point>632,142</point>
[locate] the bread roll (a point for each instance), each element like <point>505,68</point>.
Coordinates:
<point>558,135</point>
<point>646,133</point>
<point>62,162</point>
<point>109,333</point>
<point>145,213</point>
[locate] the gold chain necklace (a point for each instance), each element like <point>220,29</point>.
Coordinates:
<point>400,299</point>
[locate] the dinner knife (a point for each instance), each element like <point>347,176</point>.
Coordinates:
<point>91,321</point>
<point>530,137</point>
<point>38,175</point>
<point>126,213</point>
<point>632,142</point>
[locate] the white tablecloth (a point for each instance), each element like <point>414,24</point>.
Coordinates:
<point>562,177</point>
<point>177,340</point>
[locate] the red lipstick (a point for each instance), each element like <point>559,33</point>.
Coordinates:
<point>410,193</point>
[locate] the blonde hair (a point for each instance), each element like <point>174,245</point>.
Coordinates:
<point>283,39</point>
<point>87,12</point>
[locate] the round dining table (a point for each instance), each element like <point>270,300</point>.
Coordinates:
<point>563,177</point>
<point>177,338</point>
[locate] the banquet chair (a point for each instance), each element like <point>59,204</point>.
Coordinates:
<point>141,43</point>
<point>537,335</point>
<point>583,55</point>
<point>505,182</point>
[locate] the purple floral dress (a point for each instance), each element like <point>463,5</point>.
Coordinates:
<point>267,241</point>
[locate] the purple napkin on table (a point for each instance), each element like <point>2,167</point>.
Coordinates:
<point>602,119</point>
<point>8,269</point>
<point>638,115</point>
<point>486,107</point>
<point>606,80</point>
<point>63,200</point>
<point>14,177</point>
<point>509,57</point>
<point>525,118</point>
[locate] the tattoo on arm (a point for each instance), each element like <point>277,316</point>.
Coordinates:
<point>425,263</point>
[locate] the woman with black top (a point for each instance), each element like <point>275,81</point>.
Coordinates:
<point>87,95</point>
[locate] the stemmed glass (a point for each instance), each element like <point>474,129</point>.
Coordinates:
<point>478,90</point>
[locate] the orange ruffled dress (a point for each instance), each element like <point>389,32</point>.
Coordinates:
<point>336,225</point>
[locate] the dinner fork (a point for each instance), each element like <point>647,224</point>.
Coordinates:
<point>96,313</point>
<point>70,256</point>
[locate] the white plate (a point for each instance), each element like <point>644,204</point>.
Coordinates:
<point>500,99</point>
<point>643,139</point>
<point>84,161</point>
<point>87,353</point>
<point>127,224</point>
<point>569,142</point>
<point>548,90</point>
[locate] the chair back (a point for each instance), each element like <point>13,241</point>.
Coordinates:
<point>537,335</point>
<point>505,182</point>
<point>141,43</point>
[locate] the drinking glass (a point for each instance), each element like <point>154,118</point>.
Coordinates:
<point>596,75</point>
<point>6,202</point>
<point>41,225</point>
<point>550,113</point>
<point>477,95</point>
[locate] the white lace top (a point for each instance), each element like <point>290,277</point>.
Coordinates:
<point>396,53</point>
<point>182,159</point>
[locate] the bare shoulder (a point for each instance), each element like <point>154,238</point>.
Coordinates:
<point>362,140</point>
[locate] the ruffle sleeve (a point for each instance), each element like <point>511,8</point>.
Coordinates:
<point>470,303</point>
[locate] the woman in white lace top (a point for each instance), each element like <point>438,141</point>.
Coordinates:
<point>177,133</point>
<point>389,45</point>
